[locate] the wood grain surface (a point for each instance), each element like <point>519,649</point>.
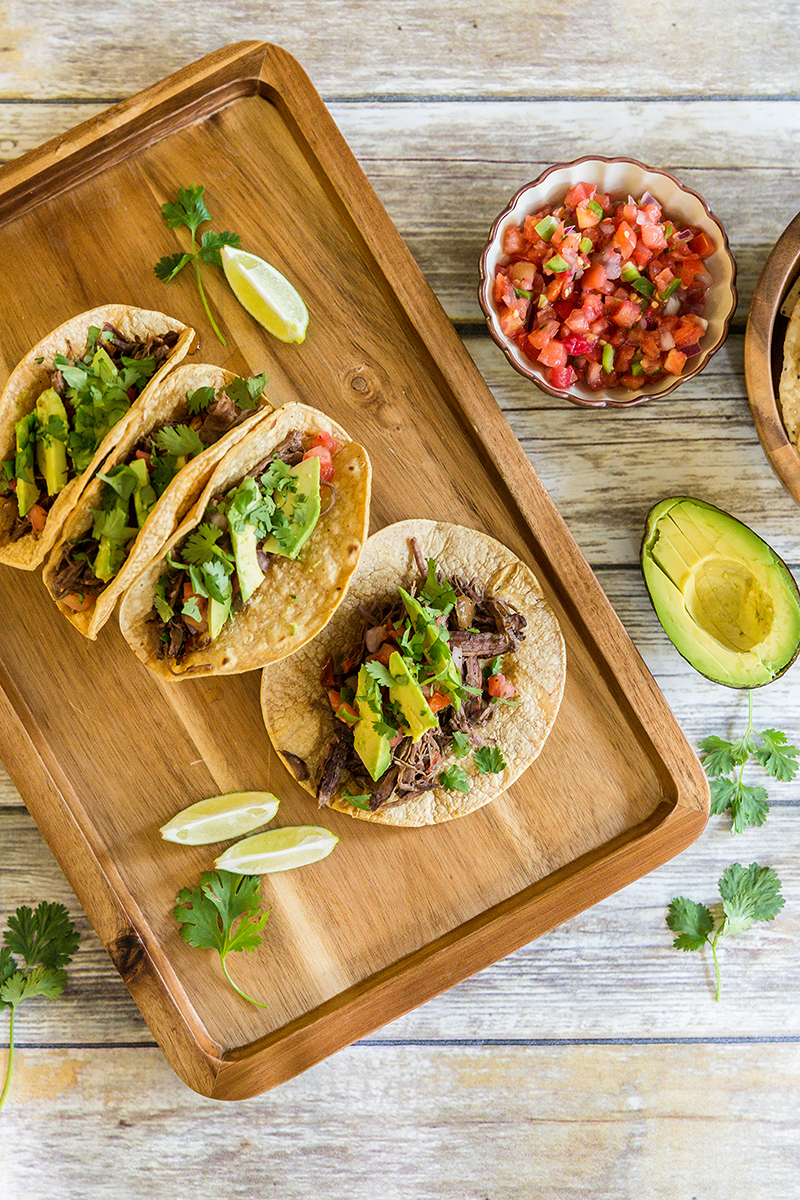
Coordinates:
<point>593,1062</point>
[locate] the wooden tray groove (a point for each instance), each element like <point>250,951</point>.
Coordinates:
<point>103,753</point>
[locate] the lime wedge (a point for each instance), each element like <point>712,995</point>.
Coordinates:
<point>220,818</point>
<point>266,294</point>
<point>277,850</point>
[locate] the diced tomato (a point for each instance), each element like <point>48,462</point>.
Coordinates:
<point>438,701</point>
<point>587,217</point>
<point>653,237</point>
<point>326,468</point>
<point>575,345</point>
<point>579,193</point>
<point>701,245</point>
<point>145,455</point>
<point>78,602</point>
<point>513,240</point>
<point>650,344</point>
<point>538,338</point>
<point>641,255</point>
<point>689,268</point>
<point>627,314</point>
<point>500,687</point>
<point>327,676</point>
<point>326,439</point>
<point>596,278</point>
<point>563,377</point>
<point>37,516</point>
<point>624,357</point>
<point>625,239</point>
<point>511,322</point>
<point>631,382</point>
<point>577,322</point>
<point>383,653</point>
<point>687,332</point>
<point>674,362</point>
<point>553,354</point>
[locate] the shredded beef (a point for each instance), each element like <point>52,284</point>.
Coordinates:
<point>298,765</point>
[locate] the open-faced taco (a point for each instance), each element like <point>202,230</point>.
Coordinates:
<point>433,687</point>
<point>147,485</point>
<point>63,409</point>
<point>263,559</point>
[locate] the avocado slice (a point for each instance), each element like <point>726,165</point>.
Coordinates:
<point>218,613</point>
<point>301,507</point>
<point>371,747</point>
<point>103,366</point>
<point>408,695</point>
<point>245,545</point>
<point>144,496</point>
<point>51,443</point>
<point>27,491</point>
<point>727,602</point>
<point>436,650</point>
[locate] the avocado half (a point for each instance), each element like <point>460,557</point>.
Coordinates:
<point>727,602</point>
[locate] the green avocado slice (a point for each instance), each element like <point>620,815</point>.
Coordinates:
<point>726,601</point>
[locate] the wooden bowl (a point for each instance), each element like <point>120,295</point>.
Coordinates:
<point>620,177</point>
<point>763,355</point>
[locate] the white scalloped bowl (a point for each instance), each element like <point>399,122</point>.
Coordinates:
<point>620,177</point>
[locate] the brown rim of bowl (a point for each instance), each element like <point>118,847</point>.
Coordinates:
<point>776,277</point>
<point>604,401</point>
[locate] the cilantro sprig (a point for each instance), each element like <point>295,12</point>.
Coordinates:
<point>725,761</point>
<point>222,913</point>
<point>748,894</point>
<point>44,941</point>
<point>190,210</point>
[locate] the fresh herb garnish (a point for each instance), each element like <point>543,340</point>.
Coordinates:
<point>200,399</point>
<point>208,913</point>
<point>724,763</point>
<point>461,744</point>
<point>748,894</point>
<point>454,779</point>
<point>489,760</point>
<point>179,440</point>
<point>439,596</point>
<point>190,210</point>
<point>245,392</point>
<point>361,801</point>
<point>45,940</point>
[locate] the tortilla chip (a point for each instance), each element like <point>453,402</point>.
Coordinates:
<point>789,386</point>
<point>166,403</point>
<point>31,377</point>
<point>297,712</point>
<point>298,596</point>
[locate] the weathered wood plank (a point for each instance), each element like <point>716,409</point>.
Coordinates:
<point>563,1123</point>
<point>609,973</point>
<point>412,50</point>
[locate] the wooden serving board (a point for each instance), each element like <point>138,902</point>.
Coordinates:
<point>104,753</point>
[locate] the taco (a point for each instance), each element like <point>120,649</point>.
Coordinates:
<point>147,485</point>
<point>263,559</point>
<point>64,408</point>
<point>433,687</point>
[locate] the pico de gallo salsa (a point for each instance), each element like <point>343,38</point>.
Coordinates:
<point>603,291</point>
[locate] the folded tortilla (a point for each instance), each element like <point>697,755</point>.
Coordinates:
<point>32,376</point>
<point>298,596</point>
<point>164,404</point>
<point>297,712</point>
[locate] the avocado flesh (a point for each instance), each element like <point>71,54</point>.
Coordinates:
<point>103,366</point>
<point>245,546</point>
<point>726,600</point>
<point>218,613</point>
<point>27,491</point>
<point>51,444</point>
<point>371,747</point>
<point>408,695</point>
<point>301,508</point>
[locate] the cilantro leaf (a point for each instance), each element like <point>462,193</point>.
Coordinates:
<point>692,922</point>
<point>179,440</point>
<point>380,673</point>
<point>200,545</point>
<point>46,935</point>
<point>211,244</point>
<point>245,392</point>
<point>748,804</point>
<point>759,887</point>
<point>40,981</point>
<point>168,267</point>
<point>200,399</point>
<point>361,801</point>
<point>222,913</point>
<point>489,760</point>
<point>777,757</point>
<point>189,209</point>
<point>461,744</point>
<point>454,779</point>
<point>439,596</point>
<point>717,756</point>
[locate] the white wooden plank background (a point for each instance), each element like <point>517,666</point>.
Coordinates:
<point>594,1062</point>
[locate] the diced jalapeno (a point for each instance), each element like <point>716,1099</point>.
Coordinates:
<point>643,286</point>
<point>608,358</point>
<point>630,273</point>
<point>586,246</point>
<point>672,287</point>
<point>637,368</point>
<point>594,207</point>
<point>547,227</point>
<point>522,294</point>
<point>557,264</point>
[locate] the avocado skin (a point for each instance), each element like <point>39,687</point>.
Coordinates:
<point>744,557</point>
